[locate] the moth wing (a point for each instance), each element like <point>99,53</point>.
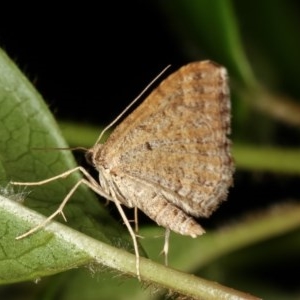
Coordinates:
<point>176,140</point>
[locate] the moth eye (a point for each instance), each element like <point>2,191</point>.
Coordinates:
<point>89,158</point>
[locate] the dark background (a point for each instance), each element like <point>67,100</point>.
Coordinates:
<point>90,61</point>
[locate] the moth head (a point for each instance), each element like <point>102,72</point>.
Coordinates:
<point>92,154</point>
<point>89,156</point>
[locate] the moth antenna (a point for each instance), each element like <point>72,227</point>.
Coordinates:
<point>61,148</point>
<point>128,107</point>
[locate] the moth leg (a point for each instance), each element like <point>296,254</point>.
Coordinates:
<point>136,220</point>
<point>91,182</point>
<point>133,236</point>
<point>62,175</point>
<point>165,250</point>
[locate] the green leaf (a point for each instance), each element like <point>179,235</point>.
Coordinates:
<point>26,123</point>
<point>40,254</point>
<point>273,159</point>
<point>59,248</point>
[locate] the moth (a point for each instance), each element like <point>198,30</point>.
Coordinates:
<point>170,157</point>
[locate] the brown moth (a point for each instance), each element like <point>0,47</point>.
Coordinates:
<point>170,157</point>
